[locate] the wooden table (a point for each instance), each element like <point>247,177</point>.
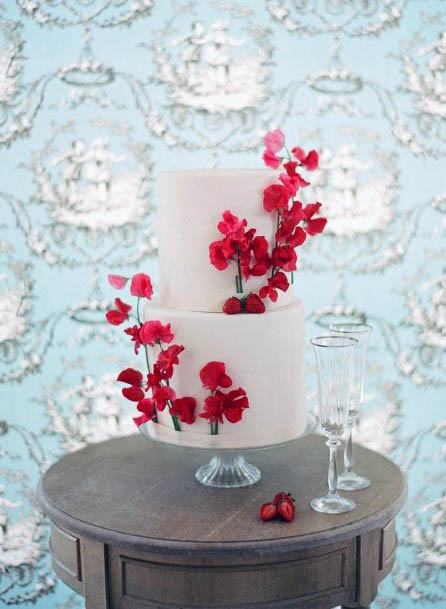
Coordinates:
<point>131,529</point>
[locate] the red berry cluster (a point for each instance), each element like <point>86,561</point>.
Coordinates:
<point>281,506</point>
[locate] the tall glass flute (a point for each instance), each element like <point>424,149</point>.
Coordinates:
<point>333,358</point>
<point>349,480</point>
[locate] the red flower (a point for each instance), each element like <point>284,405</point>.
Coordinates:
<point>290,235</point>
<point>167,359</point>
<point>117,281</point>
<point>220,253</point>
<point>141,286</point>
<point>152,332</point>
<point>184,409</point>
<point>132,377</point>
<point>260,248</point>
<point>284,257</point>
<point>295,214</point>
<point>310,161</point>
<point>231,226</point>
<point>161,395</point>
<point>271,160</point>
<point>147,407</point>
<point>313,226</point>
<point>213,375</point>
<point>275,196</point>
<point>229,405</point>
<point>133,331</point>
<point>274,140</point>
<point>290,168</point>
<point>232,306</point>
<point>254,305</point>
<point>278,281</point>
<point>117,316</point>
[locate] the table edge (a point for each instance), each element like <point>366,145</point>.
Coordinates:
<point>211,549</point>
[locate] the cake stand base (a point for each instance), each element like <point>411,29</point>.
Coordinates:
<point>228,471</point>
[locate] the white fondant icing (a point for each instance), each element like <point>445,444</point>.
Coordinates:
<point>190,205</point>
<point>264,354</point>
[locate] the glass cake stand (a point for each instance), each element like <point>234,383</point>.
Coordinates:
<point>228,467</point>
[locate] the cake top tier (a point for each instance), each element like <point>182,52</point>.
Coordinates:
<point>190,206</point>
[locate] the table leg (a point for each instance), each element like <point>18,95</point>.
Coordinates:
<point>94,574</point>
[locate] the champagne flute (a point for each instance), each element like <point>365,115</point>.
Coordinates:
<point>349,480</point>
<point>333,359</point>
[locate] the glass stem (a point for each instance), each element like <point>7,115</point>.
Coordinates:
<point>348,448</point>
<point>333,467</point>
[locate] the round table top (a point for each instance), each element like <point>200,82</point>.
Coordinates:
<point>132,492</point>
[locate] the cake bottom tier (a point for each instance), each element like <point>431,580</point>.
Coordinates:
<point>264,354</point>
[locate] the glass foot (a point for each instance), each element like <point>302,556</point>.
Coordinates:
<point>228,471</point>
<point>349,481</point>
<point>333,504</point>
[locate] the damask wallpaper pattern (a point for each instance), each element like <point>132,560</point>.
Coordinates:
<point>98,96</point>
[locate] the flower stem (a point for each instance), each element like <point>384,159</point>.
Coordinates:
<point>146,351</point>
<point>239,278</point>
<point>175,421</point>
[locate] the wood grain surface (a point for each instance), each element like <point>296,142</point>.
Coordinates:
<point>142,495</point>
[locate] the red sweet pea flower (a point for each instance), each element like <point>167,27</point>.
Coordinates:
<point>213,375</point>
<point>147,407</point>
<point>284,257</point>
<point>167,359</point>
<point>117,316</point>
<point>161,395</point>
<point>133,331</point>
<point>313,226</point>
<point>141,286</point>
<point>278,281</point>
<point>117,281</point>
<point>153,332</point>
<point>274,140</point>
<point>290,168</point>
<point>287,233</point>
<point>275,197</point>
<point>132,377</point>
<point>230,405</point>
<point>231,226</point>
<point>271,160</point>
<point>184,409</point>
<point>220,253</point>
<point>260,248</point>
<point>310,161</point>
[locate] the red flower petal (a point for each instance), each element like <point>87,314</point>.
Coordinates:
<point>117,281</point>
<point>274,140</point>
<point>271,160</point>
<point>147,406</point>
<point>315,226</point>
<point>142,419</point>
<point>115,318</point>
<point>184,409</point>
<point>275,196</point>
<point>232,306</point>
<point>123,307</point>
<point>218,254</point>
<point>130,376</point>
<point>213,375</point>
<point>284,257</point>
<point>311,209</point>
<point>141,286</point>
<point>134,394</point>
<point>152,332</point>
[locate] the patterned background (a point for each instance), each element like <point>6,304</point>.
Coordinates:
<point>98,96</point>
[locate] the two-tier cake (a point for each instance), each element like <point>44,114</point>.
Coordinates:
<point>264,353</point>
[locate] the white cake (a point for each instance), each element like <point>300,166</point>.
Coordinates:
<point>263,353</point>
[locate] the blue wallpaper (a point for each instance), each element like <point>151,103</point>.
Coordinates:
<point>97,97</point>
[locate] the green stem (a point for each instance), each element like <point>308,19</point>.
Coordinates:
<point>239,278</point>
<point>216,428</point>
<point>175,421</point>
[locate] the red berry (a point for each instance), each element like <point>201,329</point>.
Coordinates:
<point>232,306</point>
<point>254,304</point>
<point>286,510</point>
<point>268,511</point>
<point>283,497</point>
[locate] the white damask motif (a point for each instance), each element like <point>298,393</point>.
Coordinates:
<point>353,18</point>
<point>25,570</point>
<point>96,199</point>
<point>423,65</point>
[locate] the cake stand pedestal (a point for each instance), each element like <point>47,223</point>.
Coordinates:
<point>228,467</point>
